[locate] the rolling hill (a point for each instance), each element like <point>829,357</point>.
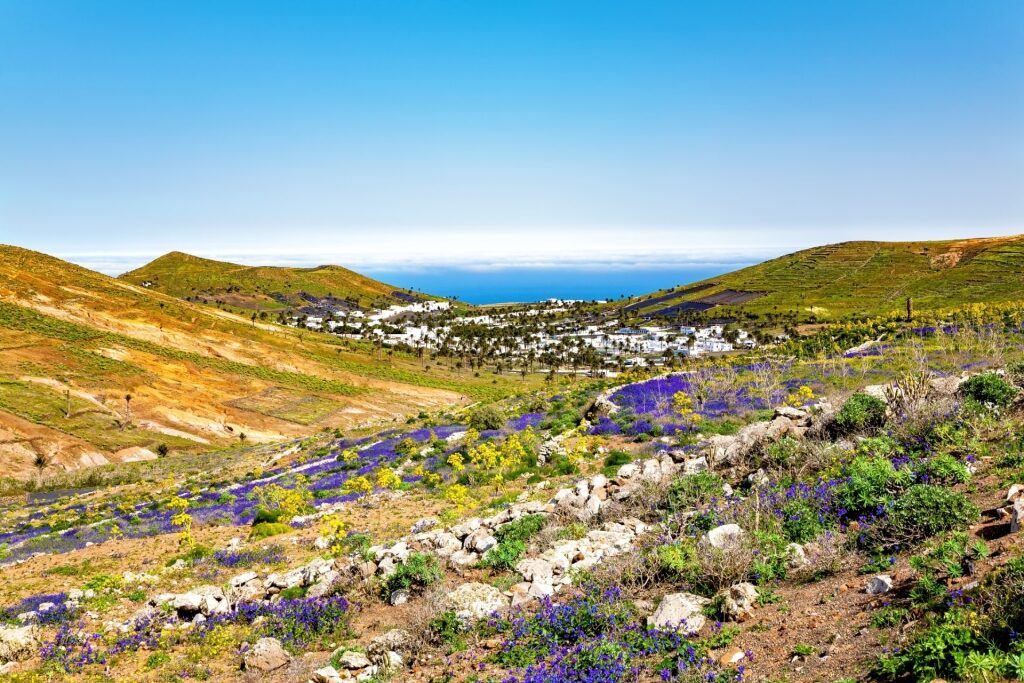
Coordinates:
<point>851,279</point>
<point>75,343</point>
<point>268,288</point>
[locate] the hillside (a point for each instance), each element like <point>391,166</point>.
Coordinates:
<point>856,278</point>
<point>267,288</point>
<point>838,537</point>
<point>75,343</point>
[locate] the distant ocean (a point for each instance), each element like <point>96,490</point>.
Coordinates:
<point>535,284</point>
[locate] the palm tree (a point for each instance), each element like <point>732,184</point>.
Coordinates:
<point>127,410</point>
<point>41,462</point>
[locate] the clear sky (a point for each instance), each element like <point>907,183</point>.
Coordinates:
<point>549,133</point>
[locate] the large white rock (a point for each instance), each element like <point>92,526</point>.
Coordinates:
<point>535,569</point>
<point>326,675</point>
<point>879,584</point>
<point>726,537</point>
<point>474,601</point>
<point>679,612</point>
<point>266,655</point>
<point>463,558</point>
<point>17,644</point>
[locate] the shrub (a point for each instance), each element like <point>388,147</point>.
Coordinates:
<point>574,531</point>
<point>449,629</point>
<point>872,481</point>
<point>782,453</point>
<point>678,560</point>
<point>418,571</point>
<point>268,529</point>
<point>921,512</point>
<point>617,459</point>
<point>690,491</point>
<point>486,418</point>
<point>801,520</point>
<point>860,413</point>
<point>512,539</point>
<point>265,515</point>
<point>505,555</point>
<point>521,529</point>
<point>943,469</point>
<point>989,389</point>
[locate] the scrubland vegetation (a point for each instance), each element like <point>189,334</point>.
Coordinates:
<point>799,515</point>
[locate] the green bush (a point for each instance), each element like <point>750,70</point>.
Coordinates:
<point>418,571</point>
<point>921,512</point>
<point>617,459</point>
<point>449,629</point>
<point>521,529</point>
<point>678,560</point>
<point>690,491</point>
<point>860,413</point>
<point>505,555</point>
<point>265,515</point>
<point>989,389</point>
<point>294,593</point>
<point>802,520</point>
<point>268,529</point>
<point>512,539</point>
<point>486,418</point>
<point>782,453</point>
<point>871,481</point>
<point>943,469</point>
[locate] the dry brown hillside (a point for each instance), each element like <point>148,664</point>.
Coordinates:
<point>75,343</point>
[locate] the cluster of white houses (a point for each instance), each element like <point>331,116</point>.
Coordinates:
<point>421,325</point>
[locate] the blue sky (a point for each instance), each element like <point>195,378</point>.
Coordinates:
<point>541,134</point>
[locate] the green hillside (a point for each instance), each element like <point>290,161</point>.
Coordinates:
<point>851,279</point>
<point>258,287</point>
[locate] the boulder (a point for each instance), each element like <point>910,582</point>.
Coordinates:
<point>535,569</point>
<point>425,524</point>
<point>17,644</point>
<point>695,465</point>
<point>466,528</point>
<point>243,579</point>
<point>727,537</point>
<point>187,602</point>
<point>326,675</point>
<point>732,656</point>
<point>791,413</point>
<point>474,601</point>
<point>352,659</point>
<point>629,470</point>
<point>796,556</point>
<point>1017,515</point>
<point>266,655</point>
<point>480,540</point>
<point>396,640</point>
<point>877,585</point>
<point>324,585</point>
<point>680,612</point>
<point>739,600</point>
<point>463,558</point>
